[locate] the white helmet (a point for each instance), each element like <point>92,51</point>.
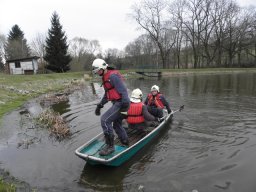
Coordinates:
<point>98,64</point>
<point>136,96</point>
<point>155,88</point>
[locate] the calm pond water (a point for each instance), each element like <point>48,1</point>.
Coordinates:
<point>210,146</point>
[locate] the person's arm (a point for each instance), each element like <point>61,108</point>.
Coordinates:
<point>117,82</point>
<point>146,101</point>
<point>104,99</point>
<point>166,104</point>
<point>147,115</point>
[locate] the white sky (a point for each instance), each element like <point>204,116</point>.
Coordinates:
<point>104,20</point>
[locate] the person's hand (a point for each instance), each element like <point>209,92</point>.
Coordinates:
<point>97,110</point>
<point>125,107</point>
<point>159,120</point>
<point>169,111</point>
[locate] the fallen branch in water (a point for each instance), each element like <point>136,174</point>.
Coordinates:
<point>55,123</point>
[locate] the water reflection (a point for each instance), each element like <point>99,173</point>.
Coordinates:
<point>62,107</point>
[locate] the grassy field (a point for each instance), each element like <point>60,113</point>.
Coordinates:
<point>16,89</point>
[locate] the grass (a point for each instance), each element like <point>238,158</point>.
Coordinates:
<point>6,187</point>
<point>15,90</point>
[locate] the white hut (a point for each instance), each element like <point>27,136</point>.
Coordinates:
<point>25,66</point>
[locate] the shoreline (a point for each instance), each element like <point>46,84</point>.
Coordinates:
<point>16,90</point>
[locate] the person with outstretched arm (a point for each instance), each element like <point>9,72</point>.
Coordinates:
<point>116,92</point>
<point>156,102</point>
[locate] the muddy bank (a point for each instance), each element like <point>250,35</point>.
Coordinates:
<point>20,133</point>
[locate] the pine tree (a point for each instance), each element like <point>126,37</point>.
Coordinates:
<point>56,47</point>
<point>16,46</point>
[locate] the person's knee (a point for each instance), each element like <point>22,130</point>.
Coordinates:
<point>160,113</point>
<point>104,121</point>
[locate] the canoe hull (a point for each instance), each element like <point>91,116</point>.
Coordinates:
<point>89,151</point>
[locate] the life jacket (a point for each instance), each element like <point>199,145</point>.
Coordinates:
<point>155,100</point>
<point>111,92</point>
<point>134,113</point>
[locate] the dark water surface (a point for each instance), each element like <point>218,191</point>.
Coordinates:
<point>209,147</point>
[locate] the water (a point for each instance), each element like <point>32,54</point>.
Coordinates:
<point>210,146</point>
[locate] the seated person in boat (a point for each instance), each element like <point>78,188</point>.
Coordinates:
<point>156,102</point>
<point>138,114</point>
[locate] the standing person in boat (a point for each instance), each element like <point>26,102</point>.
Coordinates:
<point>138,115</point>
<point>116,92</point>
<point>156,102</point>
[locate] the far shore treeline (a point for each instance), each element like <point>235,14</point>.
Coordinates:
<point>177,34</point>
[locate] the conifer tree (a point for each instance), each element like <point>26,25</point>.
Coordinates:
<point>56,47</point>
<point>16,46</point>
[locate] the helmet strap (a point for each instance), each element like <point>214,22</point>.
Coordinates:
<point>104,70</point>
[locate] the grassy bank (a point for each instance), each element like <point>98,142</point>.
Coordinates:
<point>16,89</point>
<point>6,187</point>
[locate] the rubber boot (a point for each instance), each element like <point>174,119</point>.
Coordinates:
<point>125,142</point>
<point>109,146</point>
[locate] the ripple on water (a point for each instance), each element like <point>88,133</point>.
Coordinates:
<point>208,145</point>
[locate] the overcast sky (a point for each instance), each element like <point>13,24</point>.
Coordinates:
<point>104,20</point>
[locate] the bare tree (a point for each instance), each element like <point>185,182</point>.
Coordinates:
<point>207,33</point>
<point>176,11</point>
<point>193,27</point>
<point>38,48</point>
<point>2,43</point>
<point>243,33</point>
<point>220,8</point>
<point>133,51</point>
<point>113,57</point>
<point>207,23</point>
<point>142,52</point>
<point>150,15</point>
<point>83,52</point>
<point>93,47</point>
<point>251,47</point>
<point>231,32</point>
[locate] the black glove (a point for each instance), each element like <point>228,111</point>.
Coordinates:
<point>169,111</point>
<point>97,110</point>
<point>159,120</point>
<point>125,107</point>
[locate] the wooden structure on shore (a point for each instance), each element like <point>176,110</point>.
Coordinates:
<point>149,71</point>
<point>27,66</point>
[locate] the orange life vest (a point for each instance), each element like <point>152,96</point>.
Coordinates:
<point>155,100</point>
<point>135,115</point>
<point>111,92</point>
